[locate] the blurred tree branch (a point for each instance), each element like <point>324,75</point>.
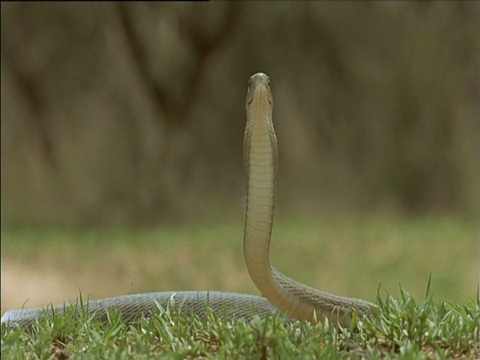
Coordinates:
<point>133,112</point>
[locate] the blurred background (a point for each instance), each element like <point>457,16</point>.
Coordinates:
<point>132,114</point>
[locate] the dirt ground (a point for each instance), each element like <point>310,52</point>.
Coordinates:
<point>23,285</point>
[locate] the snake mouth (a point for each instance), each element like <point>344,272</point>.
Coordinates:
<point>260,95</point>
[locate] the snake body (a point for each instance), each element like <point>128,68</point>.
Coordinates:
<point>280,293</point>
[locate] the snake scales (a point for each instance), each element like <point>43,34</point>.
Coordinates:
<point>297,300</point>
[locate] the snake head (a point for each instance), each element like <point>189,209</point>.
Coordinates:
<point>259,89</point>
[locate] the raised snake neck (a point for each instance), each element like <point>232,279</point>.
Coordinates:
<point>297,300</point>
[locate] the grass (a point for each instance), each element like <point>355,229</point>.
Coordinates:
<point>402,329</point>
<point>351,256</point>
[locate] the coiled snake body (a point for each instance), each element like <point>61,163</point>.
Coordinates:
<point>297,300</point>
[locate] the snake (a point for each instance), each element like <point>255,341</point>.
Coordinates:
<point>280,294</point>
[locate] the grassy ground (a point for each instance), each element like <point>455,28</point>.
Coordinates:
<point>402,329</point>
<point>353,256</point>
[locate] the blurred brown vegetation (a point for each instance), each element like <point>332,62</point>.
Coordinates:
<point>133,113</point>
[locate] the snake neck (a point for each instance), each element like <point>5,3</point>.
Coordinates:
<point>260,165</point>
<point>296,299</point>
